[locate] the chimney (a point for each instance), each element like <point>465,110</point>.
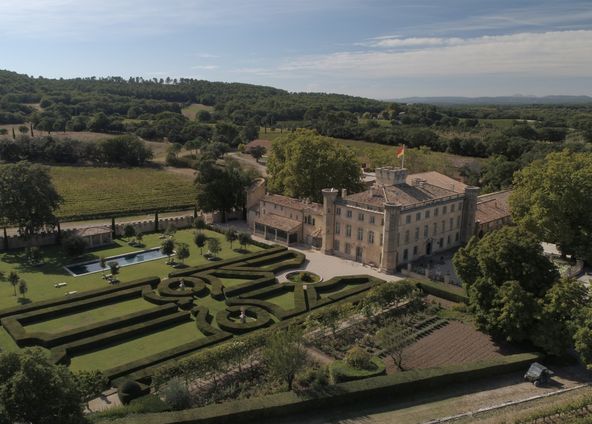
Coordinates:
<point>344,193</point>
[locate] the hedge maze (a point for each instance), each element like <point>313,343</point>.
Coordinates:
<point>224,298</point>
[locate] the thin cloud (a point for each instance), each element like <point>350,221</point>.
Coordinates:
<point>556,53</point>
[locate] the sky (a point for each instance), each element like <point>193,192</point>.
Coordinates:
<point>374,48</point>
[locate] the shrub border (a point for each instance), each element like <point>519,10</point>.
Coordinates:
<point>367,390</point>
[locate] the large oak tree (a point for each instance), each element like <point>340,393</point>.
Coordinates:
<point>552,198</point>
<point>28,198</point>
<point>303,163</point>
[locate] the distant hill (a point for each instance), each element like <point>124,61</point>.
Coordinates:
<point>502,100</point>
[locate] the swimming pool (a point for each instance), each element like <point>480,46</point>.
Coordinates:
<point>133,258</point>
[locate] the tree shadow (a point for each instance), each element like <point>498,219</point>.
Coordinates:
<point>24,300</point>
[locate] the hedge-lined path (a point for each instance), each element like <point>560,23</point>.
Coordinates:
<point>318,356</point>
<point>450,400</point>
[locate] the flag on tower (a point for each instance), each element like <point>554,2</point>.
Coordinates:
<point>400,152</point>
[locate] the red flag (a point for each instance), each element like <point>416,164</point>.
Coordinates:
<point>400,151</point>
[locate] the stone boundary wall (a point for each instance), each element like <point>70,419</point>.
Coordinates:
<point>51,238</point>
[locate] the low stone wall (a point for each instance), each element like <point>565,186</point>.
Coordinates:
<point>51,238</point>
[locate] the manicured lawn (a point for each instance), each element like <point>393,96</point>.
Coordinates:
<point>91,316</point>
<point>90,191</point>
<point>40,280</point>
<point>231,282</point>
<point>285,300</point>
<point>137,348</point>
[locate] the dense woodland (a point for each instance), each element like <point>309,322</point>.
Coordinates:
<point>232,114</point>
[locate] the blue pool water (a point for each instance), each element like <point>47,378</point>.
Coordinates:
<point>122,260</point>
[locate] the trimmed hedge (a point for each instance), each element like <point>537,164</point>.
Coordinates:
<point>275,262</point>
<point>77,306</point>
<point>219,264</point>
<point>203,320</point>
<point>100,340</point>
<point>151,281</point>
<point>262,319</point>
<point>50,340</point>
<point>445,291</point>
<point>168,287</point>
<point>257,279</point>
<point>354,392</point>
<point>144,367</point>
<point>341,372</point>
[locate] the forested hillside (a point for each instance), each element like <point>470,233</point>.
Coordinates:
<point>225,115</point>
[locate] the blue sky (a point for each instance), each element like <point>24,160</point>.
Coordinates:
<point>374,48</point>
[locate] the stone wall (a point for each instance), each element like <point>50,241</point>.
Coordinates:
<point>50,238</point>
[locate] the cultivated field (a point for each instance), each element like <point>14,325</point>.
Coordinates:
<point>454,343</point>
<point>89,191</point>
<point>193,108</point>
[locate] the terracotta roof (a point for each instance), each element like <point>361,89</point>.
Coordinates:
<point>493,206</point>
<point>290,202</point>
<point>281,223</point>
<point>439,180</point>
<point>403,194</point>
<point>93,231</point>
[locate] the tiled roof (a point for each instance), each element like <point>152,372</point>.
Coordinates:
<point>493,206</point>
<point>279,222</point>
<point>403,194</point>
<point>439,180</point>
<point>290,202</point>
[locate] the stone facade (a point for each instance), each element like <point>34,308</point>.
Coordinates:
<point>397,220</point>
<point>401,218</point>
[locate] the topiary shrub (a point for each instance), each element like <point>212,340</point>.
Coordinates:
<point>176,395</point>
<point>128,391</point>
<point>358,358</point>
<point>74,245</point>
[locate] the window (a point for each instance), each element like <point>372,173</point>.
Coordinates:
<point>425,231</point>
<point>347,248</point>
<point>435,228</point>
<point>360,217</point>
<point>456,236</point>
<point>427,214</point>
<point>381,238</point>
<point>441,243</point>
<point>405,254</point>
<point>336,245</point>
<point>360,234</point>
<point>414,250</point>
<point>349,214</point>
<point>337,228</point>
<point>458,221</point>
<point>274,206</point>
<point>313,221</point>
<point>443,226</point>
<point>451,226</point>
<point>418,216</point>
<point>406,236</point>
<point>382,221</point>
<point>372,220</point>
<point>460,206</point>
<point>371,237</point>
<point>448,240</point>
<point>452,207</point>
<point>416,233</point>
<point>348,230</point>
<point>338,211</point>
<point>436,212</point>
<point>443,210</point>
<point>408,219</point>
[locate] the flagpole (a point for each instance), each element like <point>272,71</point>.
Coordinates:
<point>403,158</point>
